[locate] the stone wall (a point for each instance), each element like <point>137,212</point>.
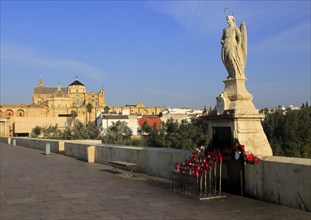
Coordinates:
<point>282,180</point>
<point>5,140</point>
<point>152,161</point>
<point>39,144</point>
<point>78,148</point>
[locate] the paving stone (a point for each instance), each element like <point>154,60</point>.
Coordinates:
<point>75,195</point>
<point>34,186</point>
<point>21,200</point>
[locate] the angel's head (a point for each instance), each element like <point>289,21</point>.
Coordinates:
<point>230,20</point>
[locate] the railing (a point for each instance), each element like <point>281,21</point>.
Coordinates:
<point>206,183</point>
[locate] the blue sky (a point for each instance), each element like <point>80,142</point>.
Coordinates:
<point>160,53</point>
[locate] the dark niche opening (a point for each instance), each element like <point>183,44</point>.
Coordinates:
<point>222,138</point>
<point>233,170</point>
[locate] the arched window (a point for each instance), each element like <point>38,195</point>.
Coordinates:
<point>20,113</point>
<point>78,101</point>
<point>9,113</point>
<point>39,100</point>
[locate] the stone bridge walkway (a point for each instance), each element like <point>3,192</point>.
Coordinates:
<point>36,186</point>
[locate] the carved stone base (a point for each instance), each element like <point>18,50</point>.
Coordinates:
<point>247,129</point>
<point>238,100</point>
<point>235,110</point>
<point>235,90</point>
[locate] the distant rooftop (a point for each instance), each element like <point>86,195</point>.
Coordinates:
<point>48,90</point>
<point>76,83</point>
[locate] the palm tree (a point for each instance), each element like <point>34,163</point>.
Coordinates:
<point>89,108</point>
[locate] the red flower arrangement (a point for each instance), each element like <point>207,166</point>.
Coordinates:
<point>202,161</point>
<point>239,147</point>
<point>249,158</point>
<point>199,162</point>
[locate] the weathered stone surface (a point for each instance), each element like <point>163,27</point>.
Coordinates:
<point>281,180</point>
<point>234,48</point>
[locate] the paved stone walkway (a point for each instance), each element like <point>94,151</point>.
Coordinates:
<point>36,186</point>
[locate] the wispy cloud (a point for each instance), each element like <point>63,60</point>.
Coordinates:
<point>293,39</point>
<point>208,16</point>
<point>194,15</point>
<point>21,55</point>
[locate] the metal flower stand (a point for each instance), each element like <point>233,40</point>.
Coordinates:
<point>205,184</point>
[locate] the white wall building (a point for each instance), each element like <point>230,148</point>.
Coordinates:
<point>104,121</point>
<point>179,114</point>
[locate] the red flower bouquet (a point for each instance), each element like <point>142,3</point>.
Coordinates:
<point>250,159</point>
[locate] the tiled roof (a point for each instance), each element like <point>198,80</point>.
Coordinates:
<point>48,90</point>
<point>151,121</point>
<point>59,94</point>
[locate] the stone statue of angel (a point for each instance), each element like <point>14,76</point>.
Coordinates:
<point>234,49</point>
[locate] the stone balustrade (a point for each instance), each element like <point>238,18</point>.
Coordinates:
<point>282,180</point>
<point>36,143</point>
<point>152,161</point>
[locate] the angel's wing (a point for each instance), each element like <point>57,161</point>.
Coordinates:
<point>243,44</point>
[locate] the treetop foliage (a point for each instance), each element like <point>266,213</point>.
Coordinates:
<point>289,133</point>
<point>188,134</point>
<point>78,131</point>
<point>117,133</point>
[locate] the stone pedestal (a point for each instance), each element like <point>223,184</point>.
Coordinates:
<point>238,99</point>
<point>235,110</point>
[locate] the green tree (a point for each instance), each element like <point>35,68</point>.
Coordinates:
<point>146,127</point>
<point>188,134</point>
<point>265,111</point>
<point>117,133</point>
<point>67,134</point>
<point>36,131</point>
<point>171,125</point>
<point>289,134</point>
<point>73,114</point>
<point>52,132</point>
<point>93,131</point>
<point>80,131</point>
<point>106,109</point>
<point>156,138</point>
<point>172,137</point>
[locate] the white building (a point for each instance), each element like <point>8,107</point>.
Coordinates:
<point>179,114</point>
<point>104,121</point>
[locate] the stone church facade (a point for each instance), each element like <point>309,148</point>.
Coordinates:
<point>74,95</point>
<point>50,106</point>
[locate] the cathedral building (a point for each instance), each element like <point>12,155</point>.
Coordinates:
<point>50,106</point>
<point>74,95</point>
<point>53,105</point>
